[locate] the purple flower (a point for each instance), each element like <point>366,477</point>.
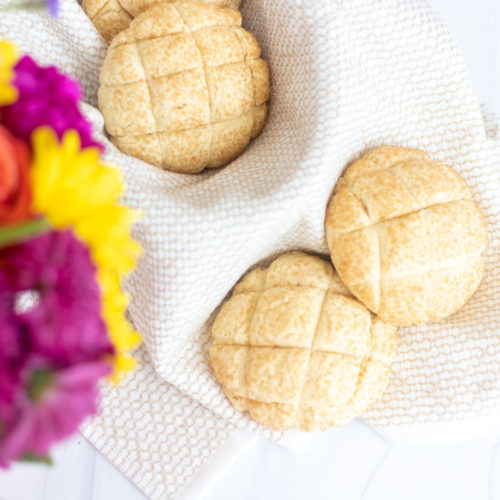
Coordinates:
<point>52,351</point>
<point>53,6</point>
<point>46,97</point>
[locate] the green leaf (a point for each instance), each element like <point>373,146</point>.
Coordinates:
<point>10,235</point>
<point>39,382</point>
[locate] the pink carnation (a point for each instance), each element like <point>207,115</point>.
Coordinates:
<point>50,407</point>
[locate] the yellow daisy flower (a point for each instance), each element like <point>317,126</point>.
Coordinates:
<point>8,58</point>
<point>73,189</point>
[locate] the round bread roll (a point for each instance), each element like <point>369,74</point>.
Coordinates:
<point>183,87</point>
<point>295,349</point>
<point>112,16</point>
<point>405,236</point>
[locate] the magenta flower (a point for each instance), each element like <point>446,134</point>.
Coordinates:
<point>9,387</point>
<point>51,406</point>
<point>46,97</point>
<point>52,352</point>
<point>66,324</point>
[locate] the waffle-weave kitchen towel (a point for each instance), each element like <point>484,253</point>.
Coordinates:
<point>347,76</point>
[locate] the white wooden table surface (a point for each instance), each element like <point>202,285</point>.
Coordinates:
<point>353,463</point>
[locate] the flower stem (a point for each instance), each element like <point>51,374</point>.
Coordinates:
<point>13,234</point>
<point>23,5</point>
<point>31,457</point>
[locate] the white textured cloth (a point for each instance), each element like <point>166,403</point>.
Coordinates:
<point>347,76</point>
<point>156,435</point>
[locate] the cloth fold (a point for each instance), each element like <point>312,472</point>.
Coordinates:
<point>157,436</point>
<point>347,76</point>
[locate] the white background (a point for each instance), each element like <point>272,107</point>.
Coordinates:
<point>351,463</point>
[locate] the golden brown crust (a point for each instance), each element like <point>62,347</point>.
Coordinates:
<point>110,17</point>
<point>406,236</point>
<point>295,349</point>
<point>184,87</point>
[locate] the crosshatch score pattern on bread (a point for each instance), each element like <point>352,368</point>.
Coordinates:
<point>406,236</point>
<point>184,87</point>
<point>295,349</point>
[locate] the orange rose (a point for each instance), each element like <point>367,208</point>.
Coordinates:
<point>15,194</point>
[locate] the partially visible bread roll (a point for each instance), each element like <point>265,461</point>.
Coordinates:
<point>406,236</point>
<point>184,87</point>
<point>112,16</point>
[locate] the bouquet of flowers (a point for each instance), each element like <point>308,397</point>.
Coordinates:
<point>65,245</point>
